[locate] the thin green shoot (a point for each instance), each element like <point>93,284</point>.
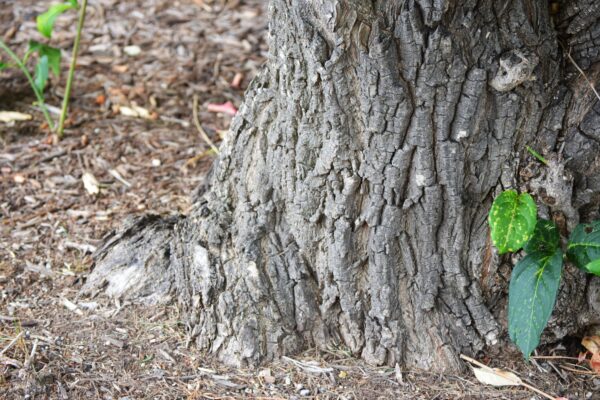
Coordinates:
<point>65,104</point>
<point>537,155</point>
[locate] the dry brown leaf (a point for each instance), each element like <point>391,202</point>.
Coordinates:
<point>142,112</point>
<point>121,69</point>
<point>19,178</point>
<point>592,344</point>
<point>398,374</point>
<point>132,50</point>
<point>128,112</point>
<point>90,183</point>
<point>10,116</point>
<point>497,377</point>
<point>135,111</point>
<point>267,376</point>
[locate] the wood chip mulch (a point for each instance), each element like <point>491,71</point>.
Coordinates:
<point>153,56</point>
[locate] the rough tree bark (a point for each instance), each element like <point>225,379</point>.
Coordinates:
<point>348,206</point>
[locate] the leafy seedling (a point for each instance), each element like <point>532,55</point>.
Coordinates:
<point>536,278</point>
<point>48,58</point>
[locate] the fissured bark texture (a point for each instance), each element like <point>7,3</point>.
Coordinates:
<point>348,207</point>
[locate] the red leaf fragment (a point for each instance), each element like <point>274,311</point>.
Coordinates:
<point>595,363</point>
<point>100,99</point>
<point>237,80</point>
<point>592,344</point>
<point>225,108</point>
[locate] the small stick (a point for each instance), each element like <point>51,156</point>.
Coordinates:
<point>528,386</point>
<point>554,358</point>
<point>578,371</point>
<point>12,342</point>
<point>31,356</point>
<point>558,371</point>
<point>199,126</point>
<point>583,74</point>
<point>307,367</point>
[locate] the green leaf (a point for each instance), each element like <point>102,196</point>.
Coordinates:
<point>593,267</point>
<point>512,220</point>
<point>3,65</point>
<point>584,247</point>
<point>45,21</point>
<point>531,297</point>
<point>53,54</point>
<point>41,73</point>
<point>545,238</point>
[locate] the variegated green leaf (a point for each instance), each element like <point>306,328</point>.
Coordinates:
<point>512,220</point>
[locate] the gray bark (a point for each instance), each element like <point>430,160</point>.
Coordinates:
<point>348,206</point>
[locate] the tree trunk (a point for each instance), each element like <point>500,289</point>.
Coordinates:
<point>349,203</point>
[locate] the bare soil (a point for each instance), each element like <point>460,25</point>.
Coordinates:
<point>56,344</point>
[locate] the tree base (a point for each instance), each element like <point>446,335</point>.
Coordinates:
<point>134,262</point>
<point>349,203</point>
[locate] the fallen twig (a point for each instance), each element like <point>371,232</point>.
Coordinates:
<point>582,74</point>
<point>578,371</point>
<point>12,343</point>
<point>554,358</point>
<point>31,356</point>
<point>83,247</point>
<point>306,366</point>
<point>199,126</point>
<point>71,306</point>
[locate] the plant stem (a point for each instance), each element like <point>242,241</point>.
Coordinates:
<point>537,155</point>
<point>65,104</point>
<point>38,93</point>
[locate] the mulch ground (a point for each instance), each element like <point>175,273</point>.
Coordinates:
<point>153,56</point>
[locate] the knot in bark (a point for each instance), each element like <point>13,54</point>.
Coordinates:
<point>516,67</point>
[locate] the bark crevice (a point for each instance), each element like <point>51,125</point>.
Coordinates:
<point>348,206</point>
